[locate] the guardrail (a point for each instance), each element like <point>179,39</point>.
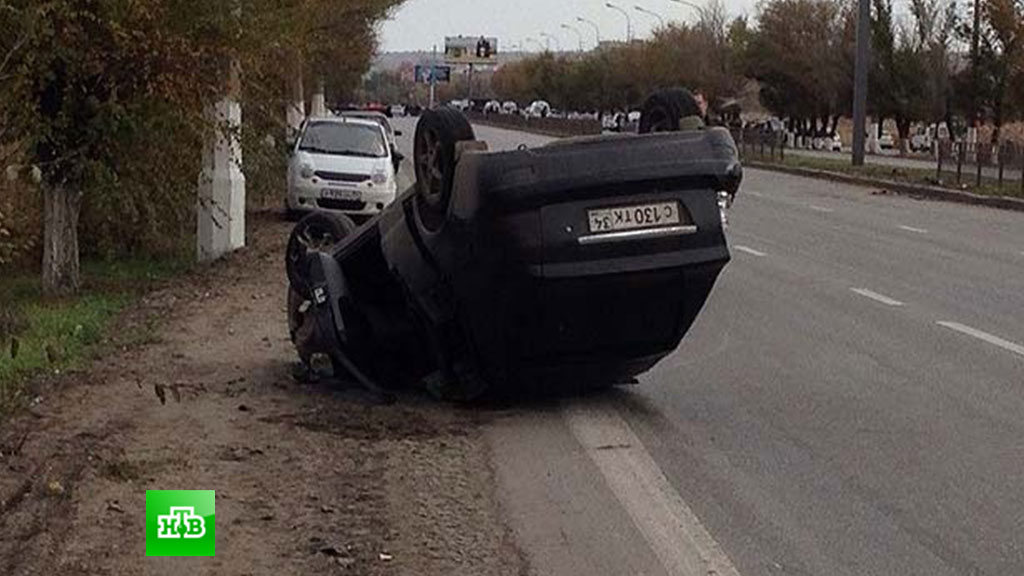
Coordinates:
<point>549,126</point>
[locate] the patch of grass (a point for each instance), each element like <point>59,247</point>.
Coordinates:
<point>910,175</point>
<point>40,334</point>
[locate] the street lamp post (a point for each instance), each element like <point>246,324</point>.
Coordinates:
<point>661,20</point>
<point>597,31</point>
<point>579,35</point>
<point>549,38</point>
<point>629,23</point>
<point>699,9</point>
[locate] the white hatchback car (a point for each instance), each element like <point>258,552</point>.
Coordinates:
<point>341,164</point>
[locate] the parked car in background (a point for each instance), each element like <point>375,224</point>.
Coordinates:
<point>886,141</point>
<point>922,138</point>
<point>834,143</point>
<point>397,110</point>
<point>538,109</point>
<point>510,107</point>
<point>342,164</point>
<point>492,107</point>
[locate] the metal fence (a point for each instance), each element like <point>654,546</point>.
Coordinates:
<point>950,163</point>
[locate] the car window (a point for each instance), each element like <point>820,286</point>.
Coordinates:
<point>344,139</point>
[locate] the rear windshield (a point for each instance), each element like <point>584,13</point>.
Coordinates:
<point>344,139</point>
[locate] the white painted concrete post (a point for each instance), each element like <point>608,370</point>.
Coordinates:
<point>318,107</point>
<point>873,138</point>
<point>296,111</point>
<point>221,210</point>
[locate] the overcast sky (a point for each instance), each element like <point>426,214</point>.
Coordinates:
<point>419,24</point>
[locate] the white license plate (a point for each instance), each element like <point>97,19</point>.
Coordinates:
<point>341,194</point>
<point>633,217</point>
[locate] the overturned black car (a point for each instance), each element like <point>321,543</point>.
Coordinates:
<point>588,257</point>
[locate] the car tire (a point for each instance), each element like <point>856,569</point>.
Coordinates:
<point>437,132</point>
<point>317,232</point>
<point>663,109</point>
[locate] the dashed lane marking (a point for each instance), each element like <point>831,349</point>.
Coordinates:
<point>750,251</point>
<point>912,229</point>
<point>820,208</point>
<point>876,296</point>
<point>671,529</point>
<point>985,337</point>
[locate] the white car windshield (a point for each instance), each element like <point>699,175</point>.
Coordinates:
<point>344,139</point>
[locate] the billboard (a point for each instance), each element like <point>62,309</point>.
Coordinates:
<point>471,50</point>
<point>439,74</point>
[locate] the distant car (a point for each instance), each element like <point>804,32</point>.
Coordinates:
<point>614,122</point>
<point>413,110</point>
<point>461,105</point>
<point>921,141</point>
<point>886,141</point>
<point>834,143</point>
<point>538,109</point>
<point>397,110</point>
<point>341,164</point>
<point>492,107</point>
<point>633,116</point>
<point>510,107</point>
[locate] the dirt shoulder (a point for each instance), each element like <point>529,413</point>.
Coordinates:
<point>309,477</point>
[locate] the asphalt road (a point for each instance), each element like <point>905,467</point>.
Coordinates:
<point>850,402</point>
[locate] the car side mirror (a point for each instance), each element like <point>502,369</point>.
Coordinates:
<point>398,132</point>
<point>397,158</point>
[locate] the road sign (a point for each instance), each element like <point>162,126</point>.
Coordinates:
<point>439,74</point>
<point>471,50</point>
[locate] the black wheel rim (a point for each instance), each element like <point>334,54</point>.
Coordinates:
<point>429,164</point>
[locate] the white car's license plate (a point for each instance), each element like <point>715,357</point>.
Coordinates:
<point>633,217</point>
<point>341,194</point>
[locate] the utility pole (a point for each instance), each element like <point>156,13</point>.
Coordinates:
<point>860,80</point>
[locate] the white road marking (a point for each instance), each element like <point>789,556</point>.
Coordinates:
<point>753,193</point>
<point>820,208</point>
<point>984,336</point>
<point>915,230</point>
<point>750,251</point>
<point>667,523</point>
<point>876,297</point>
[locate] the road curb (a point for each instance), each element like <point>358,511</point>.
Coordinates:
<point>914,190</point>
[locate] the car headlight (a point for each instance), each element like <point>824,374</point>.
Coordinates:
<point>724,203</point>
<point>380,177</point>
<point>306,171</point>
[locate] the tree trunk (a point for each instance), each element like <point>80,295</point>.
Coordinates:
<point>60,240</point>
<point>903,131</point>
